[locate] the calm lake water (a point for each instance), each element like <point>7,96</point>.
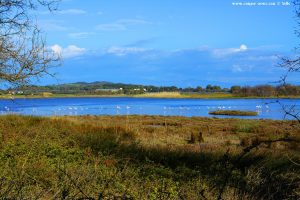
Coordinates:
<point>144,106</point>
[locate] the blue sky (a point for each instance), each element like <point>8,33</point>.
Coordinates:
<point>169,42</point>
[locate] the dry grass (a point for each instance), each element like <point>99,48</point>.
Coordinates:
<point>145,157</point>
<point>185,95</point>
<point>233,113</point>
<point>176,131</point>
<point>161,95</point>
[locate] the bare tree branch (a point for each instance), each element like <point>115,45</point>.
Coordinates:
<point>23,51</point>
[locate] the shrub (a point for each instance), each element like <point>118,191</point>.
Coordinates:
<point>196,138</point>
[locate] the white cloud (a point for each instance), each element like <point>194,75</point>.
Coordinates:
<point>263,58</point>
<point>111,27</point>
<point>243,48</point>
<point>69,51</point>
<point>72,51</point>
<point>80,35</point>
<point>53,25</point>
<point>121,24</point>
<point>72,12</point>
<point>128,22</point>
<point>122,51</point>
<point>241,68</point>
<point>229,51</point>
<point>57,49</point>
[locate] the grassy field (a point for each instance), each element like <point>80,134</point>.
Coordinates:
<point>147,157</point>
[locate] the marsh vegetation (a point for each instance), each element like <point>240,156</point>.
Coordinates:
<point>234,113</point>
<point>148,157</point>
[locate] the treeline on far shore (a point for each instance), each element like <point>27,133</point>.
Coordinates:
<point>266,90</point>
<point>107,88</point>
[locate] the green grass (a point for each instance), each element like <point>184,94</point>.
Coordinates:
<point>145,157</point>
<point>233,113</point>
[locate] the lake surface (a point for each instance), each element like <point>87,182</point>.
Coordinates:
<point>267,108</point>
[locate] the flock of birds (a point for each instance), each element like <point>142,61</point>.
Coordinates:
<point>74,110</point>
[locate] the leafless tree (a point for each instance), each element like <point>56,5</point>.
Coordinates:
<point>292,64</point>
<point>23,52</point>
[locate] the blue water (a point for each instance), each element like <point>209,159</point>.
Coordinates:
<point>267,108</point>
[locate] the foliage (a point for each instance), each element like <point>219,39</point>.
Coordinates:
<point>266,91</point>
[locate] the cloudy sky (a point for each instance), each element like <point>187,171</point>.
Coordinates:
<point>169,42</point>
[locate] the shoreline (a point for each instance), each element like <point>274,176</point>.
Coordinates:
<point>153,96</point>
